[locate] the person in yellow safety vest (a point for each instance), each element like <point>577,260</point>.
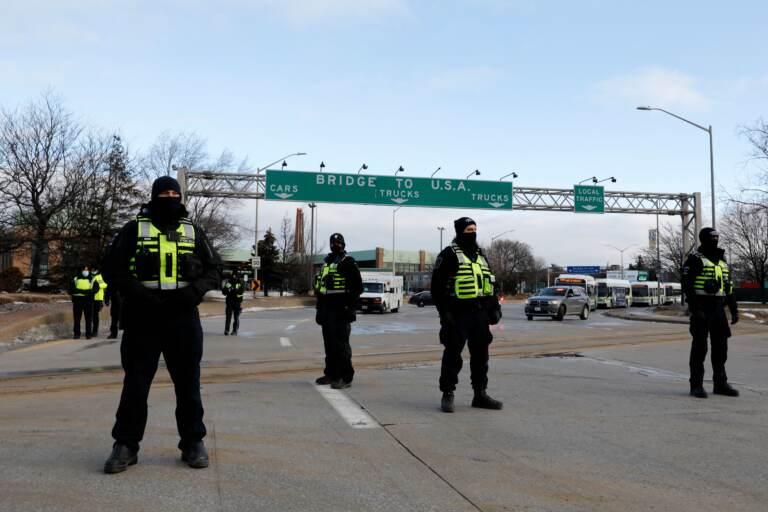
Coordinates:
<point>82,289</point>
<point>708,289</point>
<point>233,290</point>
<point>337,287</point>
<point>98,300</point>
<point>162,265</point>
<point>463,291</point>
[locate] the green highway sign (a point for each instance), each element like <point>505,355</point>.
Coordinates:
<point>588,199</point>
<point>331,187</point>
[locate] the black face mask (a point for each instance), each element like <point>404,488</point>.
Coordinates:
<point>167,208</point>
<point>467,239</point>
<point>336,249</point>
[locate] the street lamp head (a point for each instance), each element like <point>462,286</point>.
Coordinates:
<point>476,172</point>
<point>644,108</point>
<point>362,167</point>
<point>284,165</point>
<point>514,175</point>
<point>594,179</point>
<point>322,166</point>
<point>300,154</point>
<point>435,172</point>
<point>399,169</point>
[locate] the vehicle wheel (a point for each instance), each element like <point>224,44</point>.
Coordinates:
<point>584,313</point>
<point>530,317</point>
<point>420,304</point>
<point>395,310</point>
<point>560,313</point>
<point>383,308</point>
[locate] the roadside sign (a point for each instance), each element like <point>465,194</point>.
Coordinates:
<point>256,262</point>
<point>583,270</point>
<point>588,199</point>
<point>629,275</point>
<point>330,187</point>
<point>642,275</point>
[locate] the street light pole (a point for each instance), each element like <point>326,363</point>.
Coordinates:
<point>256,212</point>
<point>393,238</point>
<point>621,251</point>
<point>440,229</point>
<point>711,152</point>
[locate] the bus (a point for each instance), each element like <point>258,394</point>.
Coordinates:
<point>673,293</point>
<point>613,293</point>
<point>585,281</point>
<point>647,293</point>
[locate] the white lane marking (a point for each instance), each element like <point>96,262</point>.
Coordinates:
<point>286,342</point>
<point>352,413</point>
<point>293,326</point>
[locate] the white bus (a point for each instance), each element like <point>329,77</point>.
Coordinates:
<point>613,293</point>
<point>647,293</point>
<point>673,293</point>
<point>585,281</point>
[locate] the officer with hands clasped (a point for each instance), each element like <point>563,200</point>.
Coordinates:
<point>233,290</point>
<point>82,289</point>
<point>708,289</point>
<point>463,291</point>
<point>338,287</point>
<point>162,265</point>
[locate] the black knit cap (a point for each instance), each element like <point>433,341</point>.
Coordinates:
<point>705,233</point>
<point>164,183</point>
<point>461,224</point>
<point>338,237</point>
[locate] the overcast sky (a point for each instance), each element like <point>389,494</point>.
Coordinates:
<point>546,89</point>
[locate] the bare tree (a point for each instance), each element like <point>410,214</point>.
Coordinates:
<point>745,234</point>
<point>510,260</point>
<point>172,151</point>
<point>42,169</point>
<point>756,195</point>
<point>285,239</point>
<point>670,242</point>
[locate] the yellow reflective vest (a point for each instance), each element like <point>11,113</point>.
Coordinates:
<point>473,279</point>
<point>158,257</point>
<point>713,276</point>
<point>329,281</point>
<point>83,285</point>
<point>102,287</point>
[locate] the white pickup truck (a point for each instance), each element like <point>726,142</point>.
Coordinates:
<point>381,292</point>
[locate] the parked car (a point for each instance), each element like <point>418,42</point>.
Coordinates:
<point>557,302</point>
<point>421,299</point>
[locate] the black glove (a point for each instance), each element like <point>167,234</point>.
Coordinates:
<point>350,314</point>
<point>447,320</point>
<point>189,297</point>
<point>139,294</point>
<point>734,317</point>
<point>106,302</point>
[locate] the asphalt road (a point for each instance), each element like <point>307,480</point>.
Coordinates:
<point>596,417</point>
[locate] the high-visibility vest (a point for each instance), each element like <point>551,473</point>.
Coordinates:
<point>83,285</point>
<point>717,272</point>
<point>99,295</point>
<point>239,289</point>
<point>156,262</point>
<point>473,279</point>
<point>329,281</point>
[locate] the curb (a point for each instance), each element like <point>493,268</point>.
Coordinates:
<point>647,318</point>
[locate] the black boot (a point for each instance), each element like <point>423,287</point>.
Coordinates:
<point>120,458</point>
<point>725,389</point>
<point>323,381</point>
<point>446,404</point>
<point>340,384</point>
<point>483,401</point>
<point>697,390</point>
<point>195,455</point>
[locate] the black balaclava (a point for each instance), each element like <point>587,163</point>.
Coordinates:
<point>337,243</point>
<point>709,239</point>
<point>166,210</point>
<point>467,241</point>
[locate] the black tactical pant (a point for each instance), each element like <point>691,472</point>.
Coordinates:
<point>465,327</point>
<point>233,313</point>
<point>180,340</point>
<point>114,314</point>
<point>708,318</point>
<point>82,306</point>
<point>336,325</point>
<point>97,305</point>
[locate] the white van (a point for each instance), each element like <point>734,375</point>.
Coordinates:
<point>382,292</point>
<point>648,293</point>
<point>673,293</point>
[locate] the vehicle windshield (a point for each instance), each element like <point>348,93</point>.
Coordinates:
<point>603,290</point>
<point>373,287</point>
<point>554,291</point>
<point>639,291</point>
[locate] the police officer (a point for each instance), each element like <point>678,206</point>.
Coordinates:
<point>82,289</point>
<point>162,265</point>
<point>462,289</point>
<point>114,302</point>
<point>233,290</point>
<point>708,290</point>
<point>338,287</point>
<point>98,299</point>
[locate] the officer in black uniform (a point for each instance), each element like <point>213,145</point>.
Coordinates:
<point>338,287</point>
<point>114,302</point>
<point>82,288</point>
<point>162,265</point>
<point>233,290</point>
<point>708,289</point>
<point>462,289</point>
